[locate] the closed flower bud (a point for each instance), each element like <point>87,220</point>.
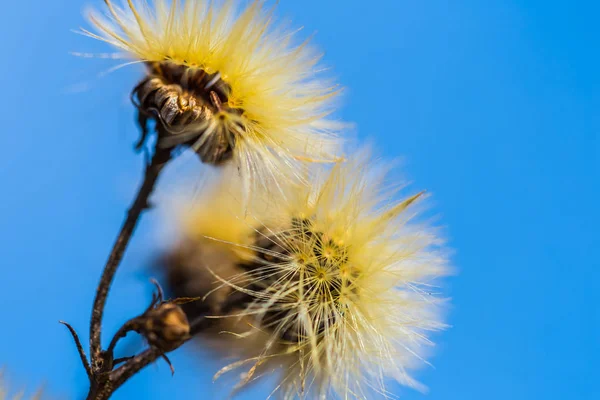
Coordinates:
<point>165,326</point>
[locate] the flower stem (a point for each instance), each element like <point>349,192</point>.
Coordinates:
<point>160,158</point>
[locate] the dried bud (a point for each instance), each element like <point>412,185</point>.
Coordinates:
<point>165,326</point>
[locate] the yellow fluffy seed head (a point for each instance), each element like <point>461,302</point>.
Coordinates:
<point>339,290</point>
<point>273,90</point>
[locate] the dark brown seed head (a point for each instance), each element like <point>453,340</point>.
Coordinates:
<point>190,108</point>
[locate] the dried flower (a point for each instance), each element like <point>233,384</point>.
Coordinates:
<point>226,83</point>
<point>332,287</point>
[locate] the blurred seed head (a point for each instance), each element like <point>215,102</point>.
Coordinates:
<point>5,393</point>
<point>227,82</point>
<point>334,288</point>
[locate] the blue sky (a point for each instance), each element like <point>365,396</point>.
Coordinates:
<point>493,105</point>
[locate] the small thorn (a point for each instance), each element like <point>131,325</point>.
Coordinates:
<point>158,297</point>
<point>159,290</point>
<point>164,357</point>
<point>80,350</point>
